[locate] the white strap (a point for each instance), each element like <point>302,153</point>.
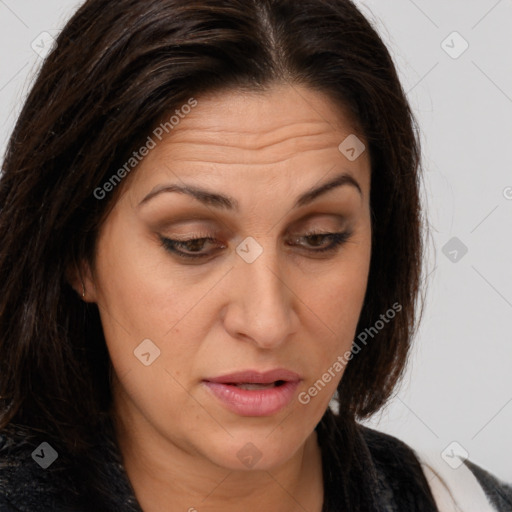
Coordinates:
<point>455,490</point>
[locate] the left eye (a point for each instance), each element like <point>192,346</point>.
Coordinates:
<point>337,239</point>
<point>194,246</point>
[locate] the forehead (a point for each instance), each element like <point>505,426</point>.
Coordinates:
<point>256,137</point>
<point>256,119</point>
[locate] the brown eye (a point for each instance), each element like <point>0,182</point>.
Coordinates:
<point>194,246</point>
<point>317,240</point>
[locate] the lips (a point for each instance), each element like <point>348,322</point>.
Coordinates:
<point>255,377</point>
<point>253,393</point>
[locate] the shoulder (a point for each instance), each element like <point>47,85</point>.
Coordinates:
<point>30,478</point>
<point>38,475</point>
<point>21,484</point>
<point>499,492</point>
<point>461,487</point>
<point>399,471</point>
<point>464,485</point>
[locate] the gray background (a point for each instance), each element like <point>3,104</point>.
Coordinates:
<point>458,386</point>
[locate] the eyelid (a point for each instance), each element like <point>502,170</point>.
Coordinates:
<point>338,239</point>
<point>188,218</point>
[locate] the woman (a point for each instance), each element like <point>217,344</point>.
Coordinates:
<point>204,205</point>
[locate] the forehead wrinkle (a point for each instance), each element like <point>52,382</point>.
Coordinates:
<point>273,152</point>
<point>251,139</point>
<point>312,143</point>
<point>192,156</point>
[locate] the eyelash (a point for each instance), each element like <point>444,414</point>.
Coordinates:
<point>171,245</point>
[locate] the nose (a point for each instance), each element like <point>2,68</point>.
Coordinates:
<point>261,301</point>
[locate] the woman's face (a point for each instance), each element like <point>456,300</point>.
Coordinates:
<point>260,296</point>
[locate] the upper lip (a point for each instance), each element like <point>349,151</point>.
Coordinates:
<point>256,377</point>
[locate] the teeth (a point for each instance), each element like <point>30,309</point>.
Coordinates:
<point>251,386</point>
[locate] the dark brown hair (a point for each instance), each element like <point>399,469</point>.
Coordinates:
<point>117,68</point>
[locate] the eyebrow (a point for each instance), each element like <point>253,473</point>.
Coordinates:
<point>229,203</point>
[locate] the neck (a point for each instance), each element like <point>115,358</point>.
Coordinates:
<point>161,473</point>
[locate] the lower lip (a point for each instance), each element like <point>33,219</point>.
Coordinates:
<point>260,402</point>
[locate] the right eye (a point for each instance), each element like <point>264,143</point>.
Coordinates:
<point>193,245</point>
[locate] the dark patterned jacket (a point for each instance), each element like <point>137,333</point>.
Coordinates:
<point>393,480</point>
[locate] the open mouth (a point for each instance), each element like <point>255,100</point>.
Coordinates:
<point>255,386</point>
<point>252,393</point>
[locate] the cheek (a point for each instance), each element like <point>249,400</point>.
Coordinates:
<point>136,289</point>
<point>150,313</point>
<point>337,295</point>
<point>139,305</point>
<point>337,299</point>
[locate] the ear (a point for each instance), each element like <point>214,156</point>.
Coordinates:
<point>80,277</point>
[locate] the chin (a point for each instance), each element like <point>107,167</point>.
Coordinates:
<point>255,449</point>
